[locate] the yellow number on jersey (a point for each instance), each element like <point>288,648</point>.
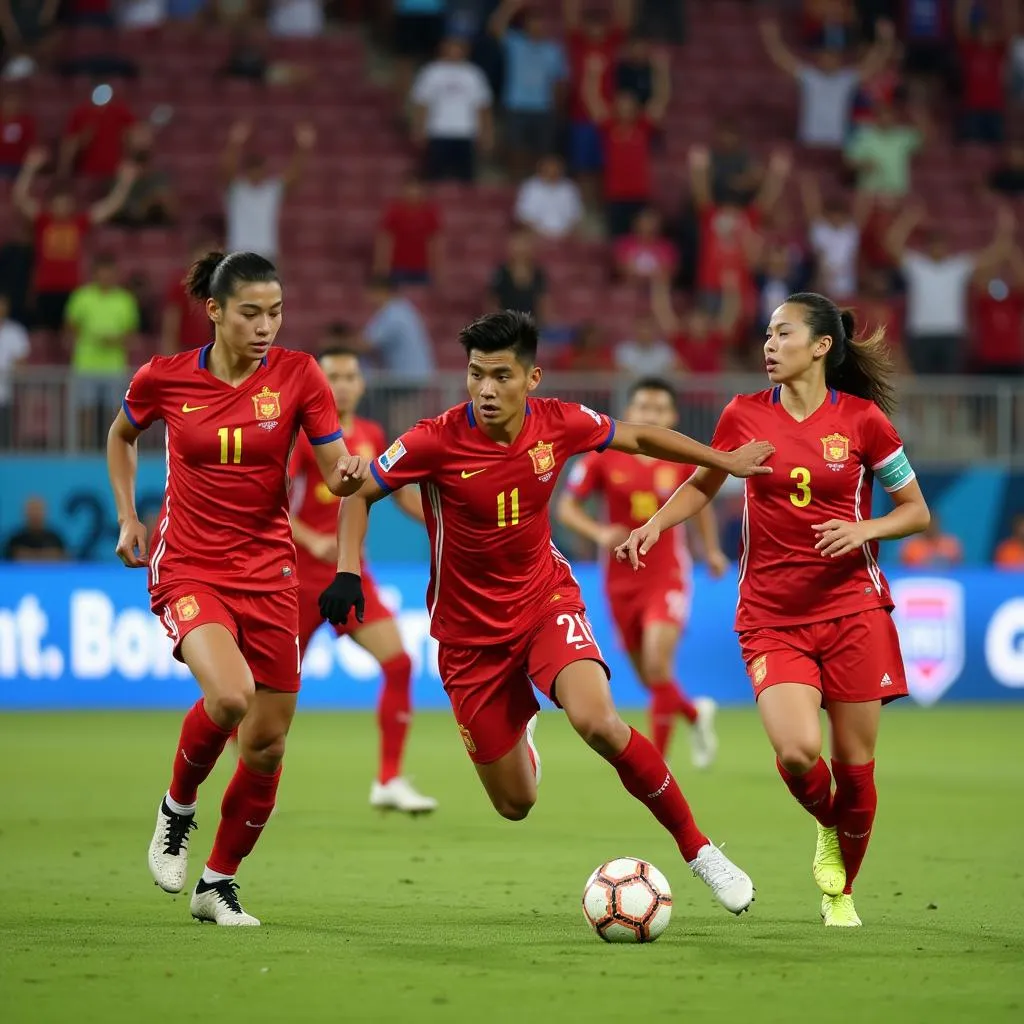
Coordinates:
<point>235,437</point>
<point>801,497</point>
<point>513,520</point>
<point>642,505</point>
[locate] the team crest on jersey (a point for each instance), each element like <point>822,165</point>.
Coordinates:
<point>324,494</point>
<point>929,615</point>
<point>835,448</point>
<point>542,455</point>
<point>759,669</point>
<point>467,739</point>
<point>186,608</point>
<point>267,404</point>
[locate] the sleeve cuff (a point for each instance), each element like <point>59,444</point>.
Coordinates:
<point>608,440</point>
<point>381,482</point>
<point>326,438</point>
<point>131,419</point>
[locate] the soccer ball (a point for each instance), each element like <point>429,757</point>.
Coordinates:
<point>627,900</point>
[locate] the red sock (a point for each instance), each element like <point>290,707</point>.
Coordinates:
<point>246,807</point>
<point>199,747</point>
<point>645,776</point>
<point>813,791</point>
<point>855,805</point>
<point>393,715</point>
<point>663,717</point>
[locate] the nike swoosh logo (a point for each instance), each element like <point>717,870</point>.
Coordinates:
<point>251,825</point>
<point>193,408</point>
<point>476,472</point>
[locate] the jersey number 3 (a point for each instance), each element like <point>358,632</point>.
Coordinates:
<point>801,478</point>
<point>230,445</point>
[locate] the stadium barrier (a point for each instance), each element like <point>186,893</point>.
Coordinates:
<point>82,636</point>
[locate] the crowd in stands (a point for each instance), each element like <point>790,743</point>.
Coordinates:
<point>573,115</point>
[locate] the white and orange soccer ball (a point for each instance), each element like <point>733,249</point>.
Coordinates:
<point>627,900</point>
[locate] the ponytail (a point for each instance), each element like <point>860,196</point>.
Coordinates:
<point>216,276</point>
<point>855,366</point>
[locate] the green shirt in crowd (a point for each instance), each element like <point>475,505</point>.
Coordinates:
<point>102,319</point>
<point>888,151</point>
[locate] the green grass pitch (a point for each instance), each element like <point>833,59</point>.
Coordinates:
<point>465,917</point>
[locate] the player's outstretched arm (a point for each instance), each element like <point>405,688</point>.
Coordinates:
<point>688,500</point>
<point>670,445</point>
<point>122,467</point>
<point>343,473</point>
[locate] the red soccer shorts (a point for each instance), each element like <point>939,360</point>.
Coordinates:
<point>310,619</point>
<point>854,658</point>
<point>265,627</point>
<point>491,688</point>
<point>635,610</point>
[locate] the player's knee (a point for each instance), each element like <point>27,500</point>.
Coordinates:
<point>263,753</point>
<point>798,756</point>
<point>602,730</point>
<point>656,670</point>
<point>515,808</point>
<point>228,708</point>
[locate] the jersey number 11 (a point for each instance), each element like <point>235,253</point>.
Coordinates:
<point>230,445</point>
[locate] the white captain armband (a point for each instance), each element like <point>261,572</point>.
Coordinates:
<point>895,472</point>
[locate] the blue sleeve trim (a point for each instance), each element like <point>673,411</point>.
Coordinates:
<point>327,438</point>
<point>131,419</point>
<point>381,482</point>
<point>608,440</point>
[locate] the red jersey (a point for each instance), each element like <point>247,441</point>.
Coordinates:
<point>224,520</point>
<point>627,159</point>
<point>493,567</point>
<point>999,328</point>
<point>313,502</point>
<point>984,73</point>
<point>195,327</point>
<point>17,137</point>
<point>634,489</point>
<point>59,246</point>
<point>103,131</point>
<point>725,240</point>
<point>411,226</point>
<point>581,48</point>
<point>702,355</point>
<point>822,469</point>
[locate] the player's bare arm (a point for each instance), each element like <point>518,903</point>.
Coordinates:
<point>122,466</point>
<point>323,546</point>
<point>571,514</point>
<point>707,525</point>
<point>837,537</point>
<point>343,473</point>
<point>687,501</point>
<point>408,500</point>
<point>670,445</point>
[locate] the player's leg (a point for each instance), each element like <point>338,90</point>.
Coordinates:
<point>268,639</point>
<point>787,686</point>
<point>582,689</point>
<point>204,634</point>
<point>379,636</point>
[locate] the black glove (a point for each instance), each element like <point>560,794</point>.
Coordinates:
<point>344,594</point>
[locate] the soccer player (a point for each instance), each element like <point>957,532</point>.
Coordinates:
<point>315,530</point>
<point>650,612</point>
<point>814,613</point>
<point>504,607</point>
<point>222,572</point>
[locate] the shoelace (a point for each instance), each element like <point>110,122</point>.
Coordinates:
<point>176,836</point>
<point>716,871</point>
<point>227,893</point>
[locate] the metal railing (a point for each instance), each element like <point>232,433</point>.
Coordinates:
<point>944,420</point>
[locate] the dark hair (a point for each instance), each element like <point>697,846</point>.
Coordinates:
<point>216,276</point>
<point>379,283</point>
<point>653,384</point>
<point>856,366</point>
<point>337,350</point>
<point>495,332</point>
<point>104,259</point>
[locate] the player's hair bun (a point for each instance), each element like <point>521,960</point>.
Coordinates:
<point>849,324</point>
<point>200,275</point>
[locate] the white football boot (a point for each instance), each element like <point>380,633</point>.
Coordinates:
<point>703,738</point>
<point>218,902</point>
<point>732,887</point>
<point>531,728</point>
<point>168,851</point>
<point>399,794</point>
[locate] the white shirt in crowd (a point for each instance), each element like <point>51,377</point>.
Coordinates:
<point>836,246</point>
<point>645,360</point>
<point>296,18</point>
<point>937,293</point>
<point>140,13</point>
<point>253,216</point>
<point>825,101</point>
<point>13,348</point>
<point>551,208</point>
<point>454,93</point>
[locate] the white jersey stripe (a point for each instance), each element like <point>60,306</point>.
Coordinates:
<point>434,496</point>
<point>873,571</point>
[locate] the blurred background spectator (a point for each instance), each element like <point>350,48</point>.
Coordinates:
<point>519,283</point>
<point>35,541</point>
<point>645,353</point>
<point>14,349</point>
<point>549,202</point>
<point>1009,553</point>
<point>407,248</point>
<point>932,549</point>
